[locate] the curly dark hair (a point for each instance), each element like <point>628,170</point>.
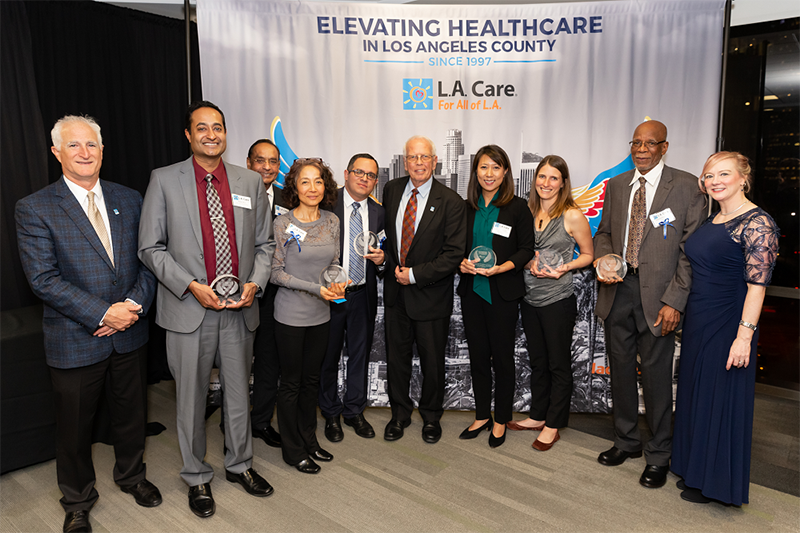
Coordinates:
<point>290,197</point>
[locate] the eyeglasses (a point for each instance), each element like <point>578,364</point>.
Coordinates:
<point>261,161</point>
<point>649,144</point>
<point>424,158</point>
<point>357,172</point>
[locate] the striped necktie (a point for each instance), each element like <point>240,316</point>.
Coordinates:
<point>99,226</point>
<point>356,261</point>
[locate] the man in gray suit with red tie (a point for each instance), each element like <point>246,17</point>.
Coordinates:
<point>648,214</point>
<point>425,238</point>
<point>77,242</point>
<point>354,319</point>
<point>203,219</point>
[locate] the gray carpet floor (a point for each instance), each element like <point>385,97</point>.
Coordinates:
<point>403,486</point>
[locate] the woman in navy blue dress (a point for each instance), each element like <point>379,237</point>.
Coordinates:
<point>732,256</point>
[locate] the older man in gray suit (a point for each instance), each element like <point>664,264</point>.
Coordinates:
<point>203,219</point>
<point>648,214</point>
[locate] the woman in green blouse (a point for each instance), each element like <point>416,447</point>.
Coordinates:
<point>490,297</point>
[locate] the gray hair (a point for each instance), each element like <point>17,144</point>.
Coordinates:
<point>419,138</point>
<point>55,133</point>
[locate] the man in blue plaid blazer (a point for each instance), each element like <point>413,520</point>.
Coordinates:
<point>78,240</point>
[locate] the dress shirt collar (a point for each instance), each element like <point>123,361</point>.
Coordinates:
<point>423,189</point>
<point>200,173</point>
<point>80,193</point>
<point>651,177</point>
<point>349,201</point>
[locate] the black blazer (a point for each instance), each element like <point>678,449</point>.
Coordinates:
<point>518,248</point>
<point>435,252</point>
<point>376,225</point>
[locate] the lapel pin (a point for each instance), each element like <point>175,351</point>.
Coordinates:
<point>116,212</point>
<point>432,208</point>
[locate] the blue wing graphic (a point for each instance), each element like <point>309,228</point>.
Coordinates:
<point>287,154</point>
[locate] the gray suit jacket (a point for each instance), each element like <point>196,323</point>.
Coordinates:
<point>665,275</point>
<point>171,241</point>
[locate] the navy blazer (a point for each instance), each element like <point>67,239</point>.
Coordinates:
<point>517,247</point>
<point>376,225</point>
<point>435,252</point>
<point>68,268</point>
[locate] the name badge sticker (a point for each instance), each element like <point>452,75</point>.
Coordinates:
<point>296,232</point>
<point>657,218</point>
<point>280,210</point>
<point>501,229</point>
<point>381,238</point>
<point>241,201</point>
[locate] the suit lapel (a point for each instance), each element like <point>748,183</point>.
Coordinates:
<point>372,207</point>
<point>338,210</point>
<point>189,187</point>
<point>235,185</point>
<point>431,206</point>
<point>114,221</point>
<point>73,209</point>
<point>660,198</point>
<point>392,207</point>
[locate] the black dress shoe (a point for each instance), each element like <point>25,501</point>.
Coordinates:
<point>77,521</point>
<point>361,426</point>
<point>268,435</point>
<point>681,484</point>
<point>322,455</point>
<point>654,476</point>
<point>252,482</point>
<point>201,502</point>
<point>145,493</point>
<point>333,429</point>
<point>694,496</point>
<point>308,466</point>
<point>615,456</point>
<point>495,442</point>
<point>394,429</point>
<point>431,432</point>
<point>472,433</point>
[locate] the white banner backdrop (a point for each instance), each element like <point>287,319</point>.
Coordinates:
<point>331,80</point>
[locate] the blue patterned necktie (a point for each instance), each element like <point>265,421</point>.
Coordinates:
<point>356,261</point>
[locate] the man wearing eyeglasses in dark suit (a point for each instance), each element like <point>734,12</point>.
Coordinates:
<point>353,320</point>
<point>425,239</point>
<point>642,311</point>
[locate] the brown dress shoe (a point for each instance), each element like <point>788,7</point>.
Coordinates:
<point>514,426</point>
<point>544,446</point>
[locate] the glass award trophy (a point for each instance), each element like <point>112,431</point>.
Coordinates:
<point>549,260</point>
<point>611,267</point>
<point>334,278</point>
<point>363,242</point>
<point>485,257</point>
<point>228,289</point>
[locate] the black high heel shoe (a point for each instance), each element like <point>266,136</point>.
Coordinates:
<point>472,433</point>
<point>494,442</point>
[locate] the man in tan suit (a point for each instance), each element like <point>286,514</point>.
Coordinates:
<point>642,311</point>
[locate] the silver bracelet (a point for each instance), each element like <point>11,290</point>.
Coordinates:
<point>748,325</point>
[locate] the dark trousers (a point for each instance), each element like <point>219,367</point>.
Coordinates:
<point>430,336</point>
<point>627,333</point>
<point>77,396</point>
<point>548,331</point>
<point>353,321</point>
<point>301,351</point>
<point>491,331</point>
<point>266,364</point>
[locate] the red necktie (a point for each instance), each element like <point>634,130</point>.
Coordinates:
<point>409,220</point>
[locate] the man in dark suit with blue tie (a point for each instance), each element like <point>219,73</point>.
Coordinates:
<point>78,243</point>
<point>425,239</point>
<point>355,318</point>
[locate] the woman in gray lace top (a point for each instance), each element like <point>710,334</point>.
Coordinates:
<point>307,241</point>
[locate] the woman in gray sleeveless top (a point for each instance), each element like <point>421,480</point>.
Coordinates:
<point>549,306</point>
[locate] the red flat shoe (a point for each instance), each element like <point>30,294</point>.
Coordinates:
<point>515,426</point>
<point>544,446</point>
